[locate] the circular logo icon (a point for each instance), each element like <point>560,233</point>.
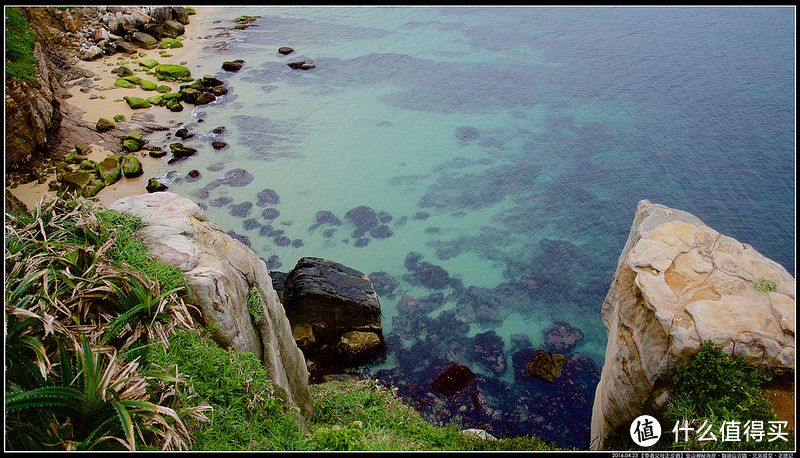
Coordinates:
<point>645,430</point>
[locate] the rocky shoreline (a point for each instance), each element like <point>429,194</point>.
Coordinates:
<point>102,68</point>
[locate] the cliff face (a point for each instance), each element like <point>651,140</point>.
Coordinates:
<point>33,115</point>
<point>221,273</point>
<point>678,283</point>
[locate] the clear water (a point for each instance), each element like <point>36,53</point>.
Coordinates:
<point>510,127</point>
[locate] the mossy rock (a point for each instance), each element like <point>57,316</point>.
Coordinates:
<point>88,165</point>
<point>148,63</point>
<point>186,79</point>
<point>157,153</point>
<point>189,95</point>
<point>124,71</point>
<point>156,100</point>
<point>174,105</point>
<point>110,170</point>
<point>176,44</point>
<point>163,88</point>
<point>94,186</point>
<point>119,117</point>
<point>133,79</point>
<point>166,54</point>
<point>142,54</point>
<point>83,150</point>
<point>179,150</point>
<point>167,40</point>
<point>174,71</point>
<point>74,158</point>
<point>74,182</point>
<point>131,166</point>
<point>136,102</point>
<point>154,185</point>
<point>196,85</point>
<point>104,125</point>
<point>546,366</point>
<point>190,10</point>
<point>148,85</point>
<point>123,82</point>
<point>172,96</point>
<point>132,142</point>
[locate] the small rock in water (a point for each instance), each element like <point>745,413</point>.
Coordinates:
<point>282,240</point>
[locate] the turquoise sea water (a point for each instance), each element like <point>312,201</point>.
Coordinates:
<point>525,136</point>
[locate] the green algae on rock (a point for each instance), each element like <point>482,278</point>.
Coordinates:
<point>174,71</point>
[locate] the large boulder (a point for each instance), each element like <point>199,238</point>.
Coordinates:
<point>679,283</point>
<point>173,71</point>
<point>334,298</point>
<point>222,273</point>
<point>109,169</point>
<point>131,166</point>
<point>340,307</point>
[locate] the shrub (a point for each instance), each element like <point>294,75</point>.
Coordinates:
<point>765,285</point>
<point>715,388</point>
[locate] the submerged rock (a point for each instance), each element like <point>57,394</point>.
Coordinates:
<point>237,178</point>
<point>488,349</point>
<point>363,217</point>
<point>561,337</point>
<point>453,380</point>
<point>546,366</point>
<point>267,197</point>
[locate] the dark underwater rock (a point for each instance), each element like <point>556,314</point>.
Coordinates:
<point>431,275</point>
<point>412,258</point>
<point>454,379</point>
<point>467,133</point>
<point>362,242</point>
<point>282,240</point>
<point>546,366</point>
<point>384,283</point>
<point>363,217</point>
<point>221,201</point>
<point>561,337</point>
<point>381,232</point>
<point>488,348</point>
<point>242,238</point>
<point>237,177</point>
<point>250,223</point>
<point>241,210</point>
<point>270,213</point>
<point>267,197</point>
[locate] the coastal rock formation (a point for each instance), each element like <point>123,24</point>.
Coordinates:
<point>340,306</point>
<point>678,283</point>
<point>222,273</point>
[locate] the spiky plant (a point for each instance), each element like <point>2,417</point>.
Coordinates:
<point>73,308</point>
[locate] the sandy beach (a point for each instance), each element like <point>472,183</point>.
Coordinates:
<point>95,108</point>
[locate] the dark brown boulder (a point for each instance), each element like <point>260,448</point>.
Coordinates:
<point>218,144</point>
<point>363,217</point>
<point>302,65</point>
<point>231,66</point>
<point>285,50</point>
<point>453,380</point>
<point>333,298</point>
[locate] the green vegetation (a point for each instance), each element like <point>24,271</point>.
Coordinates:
<point>80,320</point>
<point>102,354</point>
<point>765,285</point>
<point>715,388</point>
<point>254,304</point>
<point>20,62</point>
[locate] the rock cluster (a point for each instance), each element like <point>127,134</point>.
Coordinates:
<point>223,275</point>
<point>679,283</point>
<point>124,29</point>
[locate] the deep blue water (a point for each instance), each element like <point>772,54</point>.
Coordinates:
<point>526,136</point>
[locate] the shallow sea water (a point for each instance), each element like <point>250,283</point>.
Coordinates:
<point>525,135</point>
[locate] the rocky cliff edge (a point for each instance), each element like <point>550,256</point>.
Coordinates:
<point>222,273</point>
<point>678,283</point>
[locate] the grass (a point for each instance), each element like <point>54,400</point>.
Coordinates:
<point>765,285</point>
<point>20,62</point>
